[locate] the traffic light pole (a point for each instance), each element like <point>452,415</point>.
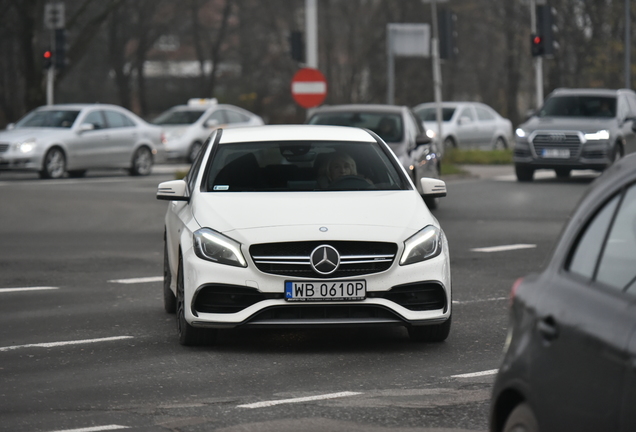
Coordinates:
<point>50,74</point>
<point>538,60</point>
<point>437,78</point>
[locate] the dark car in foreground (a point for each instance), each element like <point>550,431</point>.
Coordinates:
<point>570,355</point>
<point>577,129</point>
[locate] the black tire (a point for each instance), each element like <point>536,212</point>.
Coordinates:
<point>524,173</point>
<point>449,143</point>
<point>618,152</point>
<point>77,173</point>
<point>169,299</point>
<point>430,333</point>
<point>562,173</point>
<point>195,148</point>
<point>54,164</point>
<point>521,419</point>
<point>188,335</point>
<point>141,162</point>
<point>500,144</point>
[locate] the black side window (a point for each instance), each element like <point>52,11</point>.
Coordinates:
<point>96,119</point>
<point>617,267</point>
<point>196,165</point>
<point>606,252</point>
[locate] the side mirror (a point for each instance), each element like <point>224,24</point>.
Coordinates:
<point>173,190</point>
<point>85,127</point>
<point>212,123</point>
<point>422,139</point>
<point>11,126</point>
<point>464,120</point>
<point>433,188</point>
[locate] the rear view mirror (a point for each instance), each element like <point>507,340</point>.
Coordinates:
<point>433,188</point>
<point>174,190</point>
<point>422,139</point>
<point>212,123</point>
<point>85,127</point>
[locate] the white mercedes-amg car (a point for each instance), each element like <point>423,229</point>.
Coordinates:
<point>299,226</point>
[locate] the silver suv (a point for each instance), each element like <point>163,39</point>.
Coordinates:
<point>577,129</point>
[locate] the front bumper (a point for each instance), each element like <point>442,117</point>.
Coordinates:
<point>222,296</point>
<point>573,152</point>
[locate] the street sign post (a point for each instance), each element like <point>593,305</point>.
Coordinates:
<point>309,87</point>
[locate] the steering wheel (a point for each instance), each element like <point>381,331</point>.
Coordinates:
<point>353,182</point>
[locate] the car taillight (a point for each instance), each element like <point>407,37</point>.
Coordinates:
<point>513,291</point>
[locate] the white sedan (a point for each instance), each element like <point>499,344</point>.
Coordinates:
<point>298,226</point>
<point>468,125</point>
<point>188,126</point>
<point>56,140</point>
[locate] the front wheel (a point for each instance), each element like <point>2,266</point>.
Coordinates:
<point>500,144</point>
<point>169,299</point>
<point>521,419</point>
<point>54,165</point>
<point>524,173</point>
<point>141,162</point>
<point>189,335</point>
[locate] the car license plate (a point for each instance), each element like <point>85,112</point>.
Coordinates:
<point>325,290</point>
<point>556,153</point>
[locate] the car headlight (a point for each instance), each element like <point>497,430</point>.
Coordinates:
<point>520,133</point>
<point>430,133</point>
<point>25,146</point>
<point>597,136</point>
<point>213,246</point>
<point>425,244</point>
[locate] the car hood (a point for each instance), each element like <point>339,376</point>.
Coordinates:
<point>22,134</point>
<point>567,123</point>
<point>274,217</point>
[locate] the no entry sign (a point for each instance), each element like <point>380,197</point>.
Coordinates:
<point>309,87</point>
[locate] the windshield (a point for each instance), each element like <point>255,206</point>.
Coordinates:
<point>388,126</point>
<point>49,119</point>
<point>180,117</point>
<point>302,166</point>
<point>429,114</point>
<point>579,106</point>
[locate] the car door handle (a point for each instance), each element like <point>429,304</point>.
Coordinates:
<point>548,328</point>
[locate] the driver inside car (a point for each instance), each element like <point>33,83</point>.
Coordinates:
<point>340,164</point>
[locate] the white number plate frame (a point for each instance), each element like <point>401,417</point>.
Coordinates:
<point>322,290</point>
<point>556,153</point>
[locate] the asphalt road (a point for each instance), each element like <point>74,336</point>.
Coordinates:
<point>86,346</point>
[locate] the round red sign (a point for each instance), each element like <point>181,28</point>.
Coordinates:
<point>309,87</point>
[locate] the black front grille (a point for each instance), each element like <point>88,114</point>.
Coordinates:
<point>557,140</point>
<point>3,147</point>
<point>305,314</point>
<point>219,298</point>
<point>419,296</point>
<point>293,258</point>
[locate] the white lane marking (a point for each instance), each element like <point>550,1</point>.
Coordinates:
<point>138,280</point>
<point>504,248</point>
<point>42,288</point>
<point>298,400</point>
<point>480,300</point>
<point>476,374</point>
<point>56,344</point>
<point>95,428</point>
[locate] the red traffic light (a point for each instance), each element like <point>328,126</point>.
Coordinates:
<point>47,54</point>
<point>536,40</point>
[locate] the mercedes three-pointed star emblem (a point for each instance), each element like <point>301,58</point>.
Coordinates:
<point>325,259</point>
